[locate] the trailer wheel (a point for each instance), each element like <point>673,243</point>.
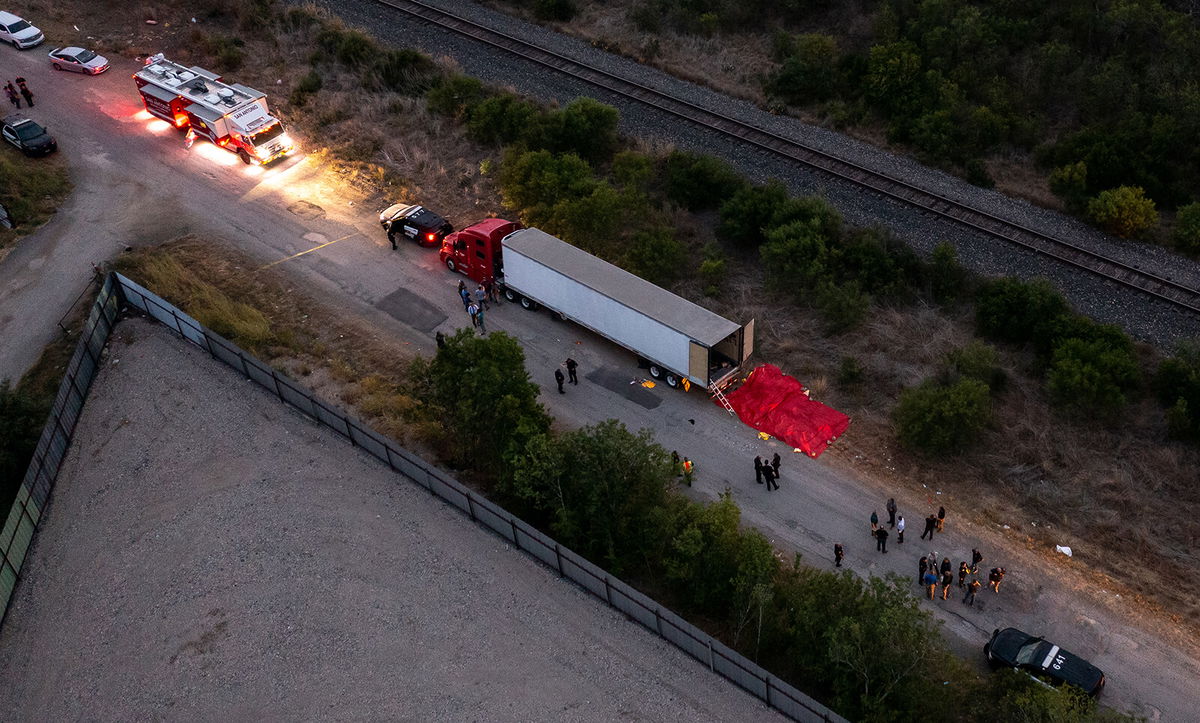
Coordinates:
<point>528,304</point>
<point>672,381</point>
<point>451,265</point>
<point>242,154</point>
<point>510,295</point>
<point>655,371</point>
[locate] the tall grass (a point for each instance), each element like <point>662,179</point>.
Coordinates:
<point>31,189</point>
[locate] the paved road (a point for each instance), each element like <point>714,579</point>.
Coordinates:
<point>138,185</point>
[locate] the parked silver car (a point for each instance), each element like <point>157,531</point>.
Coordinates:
<point>80,60</point>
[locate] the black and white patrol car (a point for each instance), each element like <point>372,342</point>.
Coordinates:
<point>1044,660</point>
<point>416,223</point>
<point>31,138</point>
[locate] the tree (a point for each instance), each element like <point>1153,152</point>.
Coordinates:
<point>697,181</point>
<point>1124,211</point>
<point>586,127</point>
<point>894,77</point>
<point>1091,376</point>
<point>809,74</point>
<point>21,420</point>
<point>501,119</point>
<point>483,395</point>
<point>1186,235</point>
<point>590,221</point>
<point>455,95</point>
<point>745,215</point>
<point>1017,311</point>
<point>656,255</point>
<point>940,419</point>
<point>533,182</point>
<point>795,256</point>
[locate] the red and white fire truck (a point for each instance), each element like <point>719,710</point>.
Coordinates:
<point>230,115</point>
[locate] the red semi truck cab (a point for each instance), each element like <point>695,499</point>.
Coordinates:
<point>475,251</point>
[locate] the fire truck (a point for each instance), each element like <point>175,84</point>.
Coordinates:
<point>230,115</point>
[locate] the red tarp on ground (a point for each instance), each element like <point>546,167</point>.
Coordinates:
<point>772,402</point>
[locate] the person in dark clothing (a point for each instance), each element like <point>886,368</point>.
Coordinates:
<point>995,577</point>
<point>947,569</point>
<point>976,558</point>
<point>464,294</point>
<point>891,510</point>
<point>775,464</point>
<point>769,477</point>
<point>941,518</point>
<point>969,598</point>
<point>11,92</point>
<point>489,287</point>
<point>675,462</point>
<point>838,554</point>
<point>572,365</point>
<point>930,522</point>
<point>922,567</point>
<point>963,571</point>
<point>930,580</point>
<point>758,466</point>
<point>874,521</point>
<point>25,92</point>
<point>881,536</point>
<point>440,338</point>
<point>559,378</point>
<point>947,582</point>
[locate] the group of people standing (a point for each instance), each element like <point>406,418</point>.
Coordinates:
<point>478,302</point>
<point>15,94</point>
<point>767,472</point>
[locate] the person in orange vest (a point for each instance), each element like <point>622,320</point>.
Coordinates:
<point>687,471</point>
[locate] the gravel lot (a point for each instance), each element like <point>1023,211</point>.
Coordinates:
<point>211,554</point>
<point>1146,319</point>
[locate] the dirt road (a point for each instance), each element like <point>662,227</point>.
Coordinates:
<point>137,184</point>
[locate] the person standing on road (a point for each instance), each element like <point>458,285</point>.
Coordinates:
<point>758,469</point>
<point>930,581</point>
<point>572,375</point>
<point>769,477</point>
<point>775,464</point>
<point>440,338</point>
<point>559,378</point>
<point>947,581</point>
<point>464,294</point>
<point>473,312</point>
<point>838,554</point>
<point>489,287</point>
<point>11,92</point>
<point>481,297</point>
<point>479,317</point>
<point>900,530</point>
<point>25,92</point>
<point>891,510</point>
<point>675,462</point>
<point>995,578</point>
<point>941,518</point>
<point>930,522</point>
<point>881,536</point>
<point>874,521</point>
<point>947,568</point>
<point>688,468</point>
<point>969,598</point>
<point>923,567</point>
<point>963,571</point>
<point>976,558</point>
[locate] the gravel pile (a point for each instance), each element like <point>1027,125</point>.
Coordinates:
<point>210,554</point>
<point>1146,319</point>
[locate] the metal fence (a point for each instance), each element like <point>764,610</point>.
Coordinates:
<point>708,650</point>
<point>34,492</point>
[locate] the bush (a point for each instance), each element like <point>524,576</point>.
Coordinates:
<point>501,119</point>
<point>810,209</point>
<point>586,127</point>
<point>454,95</point>
<point>1091,376</point>
<point>1124,211</point>
<point>1069,183</point>
<point>699,182</point>
<point>942,419</point>
<point>947,279</point>
<point>712,270</point>
<point>979,361</point>
<point>403,71</point>
<point>534,182</point>
<point>633,170</point>
<point>745,215</point>
<point>308,85</point>
<point>656,256</point>
<point>879,263</point>
<point>352,48</point>
<point>977,174</point>
<point>796,257</point>
<point>843,307</point>
<point>1019,312</point>
<point>850,372</point>
<point>1186,236</point>
<point>561,10</point>
<point>1177,385</point>
<point>21,420</point>
<point>809,74</point>
<point>591,221</point>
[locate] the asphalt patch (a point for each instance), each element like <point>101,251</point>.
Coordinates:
<point>617,381</point>
<point>306,209</point>
<point>406,306</point>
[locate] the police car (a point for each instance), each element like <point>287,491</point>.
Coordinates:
<point>1043,660</point>
<point>413,222</point>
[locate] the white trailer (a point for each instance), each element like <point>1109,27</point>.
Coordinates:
<point>682,343</point>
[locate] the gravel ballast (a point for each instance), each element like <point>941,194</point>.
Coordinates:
<point>211,554</point>
<point>1147,319</point>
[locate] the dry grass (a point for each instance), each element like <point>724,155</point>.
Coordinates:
<point>31,190</point>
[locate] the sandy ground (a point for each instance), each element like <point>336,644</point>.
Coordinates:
<point>210,554</point>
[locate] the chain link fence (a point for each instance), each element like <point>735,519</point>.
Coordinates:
<point>708,650</point>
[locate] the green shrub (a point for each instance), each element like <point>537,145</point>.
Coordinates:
<point>309,84</point>
<point>352,48</point>
<point>1186,235</point>
<point>227,52</point>
<point>453,95</point>
<point>712,269</point>
<point>300,17</point>
<point>850,372</point>
<point>403,71</point>
<point>947,278</point>
<point>977,174</point>
<point>809,74</point>
<point>795,257</point>
<point>501,119</point>
<point>1181,422</point>
<point>942,419</point>
<point>879,263</point>
<point>843,307</point>
<point>534,182</point>
<point>1016,311</point>
<point>979,361</point>
<point>744,216</point>
<point>1177,385</point>
<point>590,220</point>
<point>1069,183</point>
<point>1092,376</point>
<point>810,209</point>
<point>633,170</point>
<point>699,182</point>
<point>560,10</point>
<point>656,255</point>
<point>586,127</point>
<point>1124,211</point>
<point>21,420</point>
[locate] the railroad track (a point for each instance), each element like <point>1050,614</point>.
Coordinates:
<point>1173,292</point>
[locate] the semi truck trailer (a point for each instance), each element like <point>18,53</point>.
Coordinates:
<point>679,342</point>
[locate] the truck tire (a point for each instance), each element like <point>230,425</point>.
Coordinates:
<point>451,265</point>
<point>528,304</point>
<point>672,380</point>
<point>242,154</point>
<point>656,371</point>
<point>510,295</point>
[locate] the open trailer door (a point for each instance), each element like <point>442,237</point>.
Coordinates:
<point>747,341</point>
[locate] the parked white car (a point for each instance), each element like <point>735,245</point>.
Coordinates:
<point>80,60</point>
<point>18,32</point>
